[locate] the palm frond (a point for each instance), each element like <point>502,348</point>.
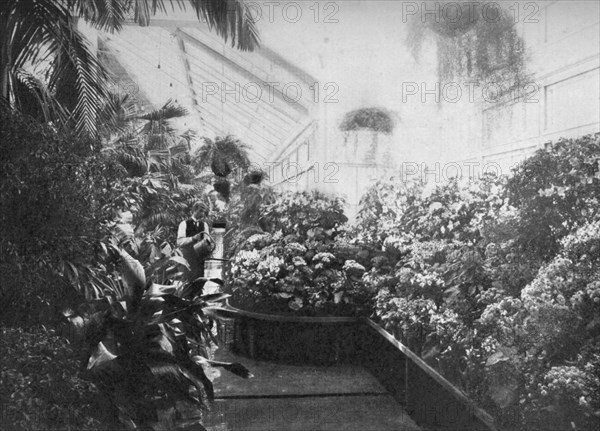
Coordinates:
<point>34,32</point>
<point>90,79</point>
<point>184,172</point>
<point>180,151</point>
<point>187,137</point>
<point>38,31</point>
<point>32,94</point>
<point>231,19</point>
<point>142,12</point>
<point>133,159</point>
<point>127,139</point>
<point>27,27</point>
<point>107,15</point>
<point>164,218</point>
<point>158,160</point>
<point>160,141</point>
<point>116,116</point>
<point>168,111</point>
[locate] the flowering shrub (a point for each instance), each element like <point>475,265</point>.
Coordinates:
<point>496,283</point>
<point>552,329</point>
<point>408,320</point>
<point>455,210</point>
<point>493,282</point>
<point>306,214</point>
<point>381,208</point>
<point>556,190</point>
<point>278,274</point>
<point>298,265</point>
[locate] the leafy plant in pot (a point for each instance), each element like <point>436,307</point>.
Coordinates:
<point>138,345</point>
<point>223,186</point>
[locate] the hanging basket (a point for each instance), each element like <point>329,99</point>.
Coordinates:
<point>223,187</point>
<point>220,167</point>
<point>456,19</point>
<point>254,177</point>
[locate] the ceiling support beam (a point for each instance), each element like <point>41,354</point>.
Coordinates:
<point>251,77</point>
<point>188,76</point>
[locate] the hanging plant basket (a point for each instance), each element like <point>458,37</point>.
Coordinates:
<point>456,19</point>
<point>254,177</point>
<point>220,167</point>
<point>223,187</point>
<point>375,119</point>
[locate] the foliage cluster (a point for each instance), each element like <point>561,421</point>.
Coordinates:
<point>471,45</point>
<point>560,186</point>
<point>73,212</point>
<point>306,214</point>
<point>66,207</point>
<point>375,119</point>
<point>53,190</point>
<point>495,282</point>
<point>48,70</point>
<point>41,388</point>
<point>298,265</point>
<point>144,345</point>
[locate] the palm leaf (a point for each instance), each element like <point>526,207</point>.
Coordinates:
<point>90,76</point>
<point>168,111</point>
<point>116,116</point>
<point>32,92</point>
<point>184,172</point>
<point>230,19</point>
<point>133,159</point>
<point>107,15</point>
<point>38,32</point>
<point>159,140</point>
<point>33,31</point>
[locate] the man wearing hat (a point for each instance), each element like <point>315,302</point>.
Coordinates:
<point>193,239</point>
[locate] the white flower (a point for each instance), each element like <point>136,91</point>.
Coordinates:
<point>353,267</point>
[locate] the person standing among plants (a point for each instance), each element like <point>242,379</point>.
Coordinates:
<point>195,241</point>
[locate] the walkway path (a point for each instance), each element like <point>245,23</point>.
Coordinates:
<point>284,397</point>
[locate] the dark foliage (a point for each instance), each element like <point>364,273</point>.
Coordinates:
<point>470,45</point>
<point>376,119</point>
<point>556,190</point>
<point>144,345</point>
<point>40,385</point>
<point>495,283</point>
<point>52,191</point>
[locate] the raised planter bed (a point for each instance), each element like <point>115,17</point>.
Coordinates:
<point>430,399</point>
